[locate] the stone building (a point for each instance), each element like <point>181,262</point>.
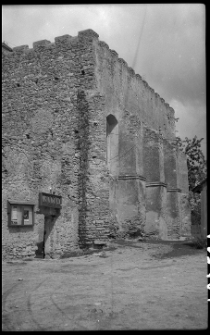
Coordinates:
<point>79,122</point>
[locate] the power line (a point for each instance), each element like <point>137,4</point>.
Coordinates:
<point>124,154</point>
<point>140,37</point>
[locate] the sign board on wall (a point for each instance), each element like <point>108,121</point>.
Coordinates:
<point>50,200</point>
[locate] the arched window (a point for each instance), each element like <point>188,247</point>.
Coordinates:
<point>112,144</point>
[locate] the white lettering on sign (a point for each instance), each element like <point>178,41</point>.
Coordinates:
<point>51,200</point>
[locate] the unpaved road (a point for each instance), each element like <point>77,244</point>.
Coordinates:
<point>135,286</point>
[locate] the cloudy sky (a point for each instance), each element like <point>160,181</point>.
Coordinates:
<point>164,43</point>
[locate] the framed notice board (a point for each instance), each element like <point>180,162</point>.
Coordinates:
<point>20,214</point>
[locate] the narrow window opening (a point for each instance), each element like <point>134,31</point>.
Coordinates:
<point>112,144</point>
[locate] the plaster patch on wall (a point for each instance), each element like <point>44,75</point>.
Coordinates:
<point>163,231</point>
<point>41,122</point>
<point>152,220</point>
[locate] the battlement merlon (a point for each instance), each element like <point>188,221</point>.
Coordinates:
<point>114,53</point>
<point>41,43</point>
<point>20,48</point>
<point>90,34</point>
<point>131,71</point>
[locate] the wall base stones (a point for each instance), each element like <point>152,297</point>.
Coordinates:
<point>127,203</point>
<point>155,215</point>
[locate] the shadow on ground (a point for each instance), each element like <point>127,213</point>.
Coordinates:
<point>180,248</point>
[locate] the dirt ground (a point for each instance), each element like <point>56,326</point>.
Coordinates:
<point>132,285</point>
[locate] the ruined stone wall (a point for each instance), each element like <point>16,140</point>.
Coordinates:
<point>56,100</point>
<point>48,105</point>
<point>125,91</point>
<point>141,115</point>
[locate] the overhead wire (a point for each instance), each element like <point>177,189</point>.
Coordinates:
<point>135,136</point>
<point>124,154</point>
<point>128,135</point>
<point>134,63</point>
<point>140,38</point>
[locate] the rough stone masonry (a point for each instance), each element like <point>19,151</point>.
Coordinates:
<point>79,121</point>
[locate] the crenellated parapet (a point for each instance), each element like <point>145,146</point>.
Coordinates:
<point>58,41</point>
<point>82,39</point>
<point>131,73</point>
